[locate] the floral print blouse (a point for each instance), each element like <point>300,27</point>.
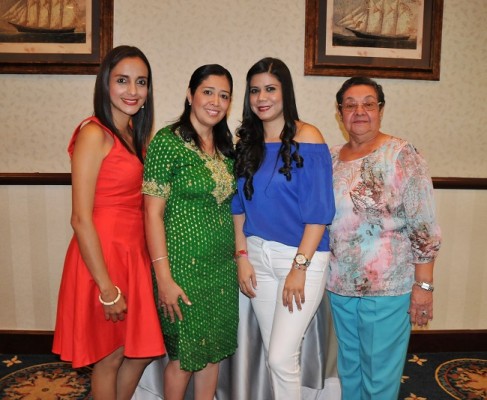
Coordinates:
<point>384,223</point>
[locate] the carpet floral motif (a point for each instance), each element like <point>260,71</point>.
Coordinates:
<point>445,376</point>
<point>464,378</point>
<point>427,376</point>
<point>55,380</point>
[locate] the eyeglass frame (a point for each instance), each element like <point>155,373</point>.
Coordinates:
<point>363,106</point>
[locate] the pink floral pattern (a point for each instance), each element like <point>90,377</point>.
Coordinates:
<point>384,222</point>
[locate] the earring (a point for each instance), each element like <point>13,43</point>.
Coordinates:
<point>143,106</point>
<point>189,103</point>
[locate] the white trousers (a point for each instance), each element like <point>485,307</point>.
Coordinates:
<point>282,331</point>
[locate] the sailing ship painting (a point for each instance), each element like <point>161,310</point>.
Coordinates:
<point>42,21</point>
<point>376,23</point>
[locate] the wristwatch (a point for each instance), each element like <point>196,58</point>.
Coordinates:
<point>425,285</point>
<point>301,262</point>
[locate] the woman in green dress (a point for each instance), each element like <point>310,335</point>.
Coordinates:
<point>188,186</point>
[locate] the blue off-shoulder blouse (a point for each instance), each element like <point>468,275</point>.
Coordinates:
<point>280,209</point>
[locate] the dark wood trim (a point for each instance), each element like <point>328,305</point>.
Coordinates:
<point>460,183</point>
<point>40,342</point>
<point>36,178</point>
<point>436,341</point>
<point>39,178</point>
<point>26,342</point>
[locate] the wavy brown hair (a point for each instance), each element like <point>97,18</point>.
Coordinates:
<point>250,148</point>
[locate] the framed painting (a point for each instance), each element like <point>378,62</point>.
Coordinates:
<point>376,38</point>
<point>54,36</point>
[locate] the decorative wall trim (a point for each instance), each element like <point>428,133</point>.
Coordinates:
<point>40,342</point>
<point>38,178</point>
<point>25,342</point>
<point>460,183</point>
<point>436,341</point>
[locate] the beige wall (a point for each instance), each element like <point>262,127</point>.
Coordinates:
<point>445,120</point>
<point>35,233</point>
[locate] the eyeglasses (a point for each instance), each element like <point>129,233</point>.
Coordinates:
<point>352,107</point>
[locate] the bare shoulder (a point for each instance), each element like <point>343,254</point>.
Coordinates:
<point>92,137</point>
<point>307,133</point>
<point>92,130</point>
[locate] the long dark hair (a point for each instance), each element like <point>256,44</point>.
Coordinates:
<point>250,149</point>
<point>142,121</point>
<point>221,133</point>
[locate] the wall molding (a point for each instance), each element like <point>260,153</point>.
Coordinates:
<point>36,178</point>
<point>25,342</point>
<point>435,341</point>
<point>39,178</point>
<point>460,183</point>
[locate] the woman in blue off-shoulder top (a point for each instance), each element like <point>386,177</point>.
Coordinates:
<point>283,205</point>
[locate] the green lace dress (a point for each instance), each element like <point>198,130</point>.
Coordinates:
<point>200,241</point>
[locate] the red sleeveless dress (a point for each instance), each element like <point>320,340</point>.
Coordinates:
<point>82,335</point>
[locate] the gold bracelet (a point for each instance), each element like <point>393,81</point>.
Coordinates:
<point>111,303</point>
<point>159,259</point>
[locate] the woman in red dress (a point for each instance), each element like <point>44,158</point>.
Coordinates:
<point>106,312</point>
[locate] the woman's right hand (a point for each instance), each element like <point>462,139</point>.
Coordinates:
<point>169,294</point>
<point>246,277</point>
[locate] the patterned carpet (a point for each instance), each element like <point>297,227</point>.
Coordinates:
<point>445,376</point>
<point>35,377</point>
<point>427,376</point>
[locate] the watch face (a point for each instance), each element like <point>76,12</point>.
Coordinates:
<point>425,286</point>
<point>300,259</point>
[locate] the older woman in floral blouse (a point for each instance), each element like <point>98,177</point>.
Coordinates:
<point>383,240</point>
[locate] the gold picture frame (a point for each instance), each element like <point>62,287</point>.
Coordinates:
<point>342,38</point>
<point>34,46</point>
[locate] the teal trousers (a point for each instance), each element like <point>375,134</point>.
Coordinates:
<point>373,335</point>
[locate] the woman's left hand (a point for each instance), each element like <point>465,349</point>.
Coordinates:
<point>116,312</point>
<point>294,288</point>
<point>421,308</point>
